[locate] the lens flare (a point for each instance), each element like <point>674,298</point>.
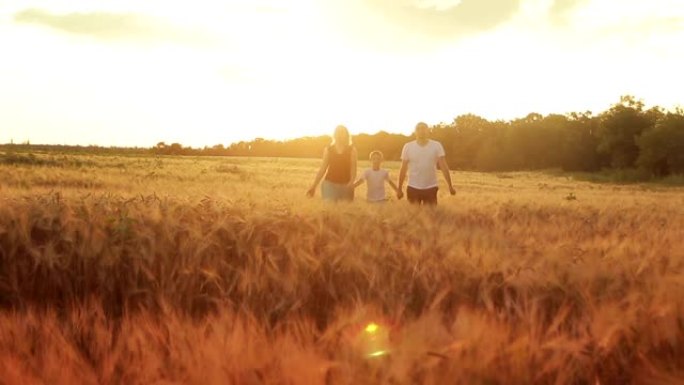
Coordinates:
<point>372,328</point>
<point>373,340</point>
<point>379,353</point>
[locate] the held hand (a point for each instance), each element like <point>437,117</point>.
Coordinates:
<point>310,192</point>
<point>452,190</point>
<point>400,194</point>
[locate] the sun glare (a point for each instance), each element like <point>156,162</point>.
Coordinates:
<point>224,72</point>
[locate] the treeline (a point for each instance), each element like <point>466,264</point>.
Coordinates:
<point>626,136</point>
<point>307,147</point>
<point>74,150</point>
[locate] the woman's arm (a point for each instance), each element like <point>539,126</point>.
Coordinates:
<point>321,171</point>
<point>354,155</point>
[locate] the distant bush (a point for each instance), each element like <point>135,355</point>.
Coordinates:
<point>31,159</point>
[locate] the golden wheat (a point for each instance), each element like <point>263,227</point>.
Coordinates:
<point>123,270</point>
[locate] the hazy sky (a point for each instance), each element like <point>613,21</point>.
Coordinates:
<point>136,72</point>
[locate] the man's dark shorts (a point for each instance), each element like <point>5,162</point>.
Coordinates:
<point>420,196</point>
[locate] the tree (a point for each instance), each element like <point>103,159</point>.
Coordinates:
<point>578,148</point>
<point>662,146</point>
<point>620,126</point>
<point>493,154</point>
<point>534,141</point>
<point>175,149</point>
<point>470,134</point>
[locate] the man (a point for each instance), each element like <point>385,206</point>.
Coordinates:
<point>421,158</point>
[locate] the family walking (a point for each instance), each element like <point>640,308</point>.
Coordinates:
<point>420,158</point>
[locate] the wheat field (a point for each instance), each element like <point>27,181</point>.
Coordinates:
<point>181,270</point>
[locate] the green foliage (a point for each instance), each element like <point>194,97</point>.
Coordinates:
<point>662,146</point>
<point>572,142</point>
<point>619,128</point>
<point>577,148</point>
<point>626,136</point>
<point>469,133</point>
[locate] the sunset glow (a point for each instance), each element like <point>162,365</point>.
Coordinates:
<point>134,73</point>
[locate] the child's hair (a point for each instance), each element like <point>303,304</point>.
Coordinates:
<point>376,152</point>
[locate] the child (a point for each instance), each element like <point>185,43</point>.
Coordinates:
<point>376,177</point>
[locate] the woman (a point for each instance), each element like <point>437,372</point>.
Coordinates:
<point>339,168</point>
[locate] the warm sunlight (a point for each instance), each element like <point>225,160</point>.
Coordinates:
<point>138,72</point>
<point>341,192</point>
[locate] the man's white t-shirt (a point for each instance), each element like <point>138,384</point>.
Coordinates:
<point>422,163</point>
<point>375,183</point>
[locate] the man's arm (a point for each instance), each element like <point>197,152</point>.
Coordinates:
<point>447,175</point>
<point>402,178</point>
<point>359,181</point>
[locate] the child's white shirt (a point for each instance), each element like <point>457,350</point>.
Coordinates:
<point>375,183</point>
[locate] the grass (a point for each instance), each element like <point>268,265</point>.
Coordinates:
<point>623,176</point>
<point>215,270</point>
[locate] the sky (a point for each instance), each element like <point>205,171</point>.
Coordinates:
<point>137,72</point>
